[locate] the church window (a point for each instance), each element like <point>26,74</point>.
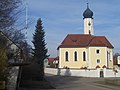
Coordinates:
<point>75,56</point>
<point>84,56</point>
<point>98,60</point>
<point>66,56</point>
<point>89,23</point>
<point>97,51</point>
<point>110,55</point>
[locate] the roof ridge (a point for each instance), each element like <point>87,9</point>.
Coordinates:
<point>108,42</point>
<point>91,41</point>
<point>98,40</point>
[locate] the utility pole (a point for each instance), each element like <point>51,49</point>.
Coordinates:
<point>26,18</point>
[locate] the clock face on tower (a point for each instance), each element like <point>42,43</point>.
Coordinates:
<point>89,24</point>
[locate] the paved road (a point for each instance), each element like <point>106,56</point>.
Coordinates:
<point>77,83</point>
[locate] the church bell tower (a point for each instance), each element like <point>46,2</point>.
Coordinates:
<point>88,21</point>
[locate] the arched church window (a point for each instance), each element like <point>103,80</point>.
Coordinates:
<point>84,56</point>
<point>75,56</point>
<point>66,56</point>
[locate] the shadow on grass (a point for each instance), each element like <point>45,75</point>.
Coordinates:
<point>30,78</point>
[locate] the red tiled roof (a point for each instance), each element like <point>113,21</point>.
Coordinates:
<point>53,59</point>
<point>83,40</point>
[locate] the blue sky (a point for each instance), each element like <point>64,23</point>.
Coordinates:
<point>62,17</point>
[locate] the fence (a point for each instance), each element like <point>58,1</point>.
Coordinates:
<point>83,72</point>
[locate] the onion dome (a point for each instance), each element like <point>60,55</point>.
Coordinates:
<point>88,13</point>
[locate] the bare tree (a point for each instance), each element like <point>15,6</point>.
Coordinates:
<point>8,13</point>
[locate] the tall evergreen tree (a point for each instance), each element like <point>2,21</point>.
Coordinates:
<point>39,51</point>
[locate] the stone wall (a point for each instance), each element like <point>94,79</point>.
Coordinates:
<point>83,72</point>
